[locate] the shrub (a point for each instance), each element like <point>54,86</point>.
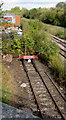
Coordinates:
<point>11,45</point>
<point>57,65</point>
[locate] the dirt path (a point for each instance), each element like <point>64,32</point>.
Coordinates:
<point>19,95</point>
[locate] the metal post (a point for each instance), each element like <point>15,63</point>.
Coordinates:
<point>25,47</point>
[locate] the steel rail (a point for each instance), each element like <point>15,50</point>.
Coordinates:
<point>58,39</point>
<point>37,102</point>
<point>63,53</point>
<point>56,87</point>
<point>48,90</point>
<point>25,69</point>
<point>60,42</point>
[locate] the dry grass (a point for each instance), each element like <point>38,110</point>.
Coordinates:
<point>8,86</point>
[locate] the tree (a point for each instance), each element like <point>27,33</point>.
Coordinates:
<point>16,10</point>
<point>60,5</point>
<point>33,13</point>
<point>25,13</point>
<point>1,3</point>
<point>1,13</point>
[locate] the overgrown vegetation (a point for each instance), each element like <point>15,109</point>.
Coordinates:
<point>44,47</point>
<point>36,40</point>
<point>11,43</point>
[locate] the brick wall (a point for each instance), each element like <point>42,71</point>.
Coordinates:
<point>17,20</point>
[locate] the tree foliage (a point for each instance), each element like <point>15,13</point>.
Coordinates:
<point>60,5</point>
<point>54,16</point>
<point>1,13</point>
<point>25,13</point>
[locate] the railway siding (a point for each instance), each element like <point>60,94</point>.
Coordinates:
<point>61,43</point>
<point>45,104</point>
<point>54,92</point>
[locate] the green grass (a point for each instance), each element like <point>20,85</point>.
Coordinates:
<point>5,88</point>
<point>55,30</point>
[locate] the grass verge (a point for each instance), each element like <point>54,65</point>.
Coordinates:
<point>5,86</point>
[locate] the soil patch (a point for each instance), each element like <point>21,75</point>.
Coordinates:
<point>17,85</point>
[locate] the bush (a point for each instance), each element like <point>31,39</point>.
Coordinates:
<point>57,66</point>
<point>11,45</point>
<point>44,45</point>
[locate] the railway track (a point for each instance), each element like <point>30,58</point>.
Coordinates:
<point>60,41</point>
<point>62,44</point>
<point>50,102</point>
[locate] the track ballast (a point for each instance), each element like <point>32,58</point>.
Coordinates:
<point>50,102</point>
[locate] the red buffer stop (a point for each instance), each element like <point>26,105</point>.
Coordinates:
<point>29,57</point>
